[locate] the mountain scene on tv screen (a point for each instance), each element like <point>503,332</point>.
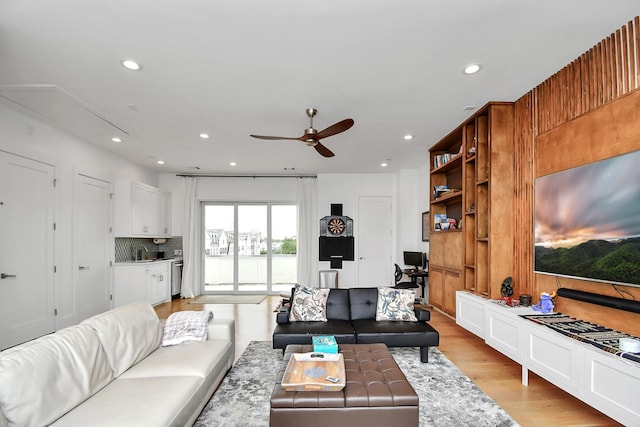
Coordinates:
<point>617,261</point>
<point>587,221</point>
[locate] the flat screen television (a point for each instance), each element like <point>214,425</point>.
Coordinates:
<point>415,259</point>
<point>587,221</point>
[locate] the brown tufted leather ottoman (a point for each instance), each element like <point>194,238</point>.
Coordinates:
<point>376,393</point>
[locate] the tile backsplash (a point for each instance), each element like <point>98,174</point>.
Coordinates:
<point>124,247</point>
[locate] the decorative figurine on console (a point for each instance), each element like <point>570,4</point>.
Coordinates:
<point>545,306</point>
<point>507,291</point>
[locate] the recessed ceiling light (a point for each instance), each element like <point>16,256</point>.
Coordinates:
<point>469,107</point>
<point>408,137</point>
<point>232,163</point>
<point>384,164</point>
<point>130,64</point>
<point>116,139</point>
<point>160,162</point>
<point>204,135</point>
<point>472,68</point>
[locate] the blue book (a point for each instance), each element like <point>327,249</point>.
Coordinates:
<point>325,344</point>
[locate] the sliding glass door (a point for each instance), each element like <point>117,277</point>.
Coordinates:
<point>252,248</point>
<point>249,247</point>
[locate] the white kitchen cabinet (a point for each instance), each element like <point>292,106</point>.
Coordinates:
<point>141,210</point>
<point>144,210</point>
<point>164,210</point>
<point>129,284</point>
<point>142,282</point>
<point>158,282</point>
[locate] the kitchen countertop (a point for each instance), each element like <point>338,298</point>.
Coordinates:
<point>148,261</point>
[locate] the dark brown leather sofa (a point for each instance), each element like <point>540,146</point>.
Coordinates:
<point>351,319</point>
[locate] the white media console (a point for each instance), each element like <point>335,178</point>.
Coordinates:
<point>601,379</point>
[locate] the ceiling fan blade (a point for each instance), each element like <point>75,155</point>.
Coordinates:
<point>334,129</point>
<point>324,151</point>
<point>301,138</point>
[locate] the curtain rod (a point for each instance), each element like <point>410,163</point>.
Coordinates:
<point>204,175</point>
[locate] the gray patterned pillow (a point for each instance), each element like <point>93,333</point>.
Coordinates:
<point>396,304</point>
<point>309,305</point>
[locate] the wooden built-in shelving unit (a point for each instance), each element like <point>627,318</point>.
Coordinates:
<point>477,254</point>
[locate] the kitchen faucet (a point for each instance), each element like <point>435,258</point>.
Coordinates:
<point>136,251</point>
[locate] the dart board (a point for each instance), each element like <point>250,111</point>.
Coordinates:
<point>336,226</point>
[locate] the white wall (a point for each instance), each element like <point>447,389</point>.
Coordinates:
<point>332,188</point>
<point>346,189</point>
<point>408,191</point>
<point>412,200</point>
<point>423,197</point>
<point>24,136</point>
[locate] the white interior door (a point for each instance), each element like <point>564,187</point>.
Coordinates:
<point>26,249</point>
<point>92,245</point>
<point>375,241</point>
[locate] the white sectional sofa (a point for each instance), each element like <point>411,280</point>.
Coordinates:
<point>111,370</point>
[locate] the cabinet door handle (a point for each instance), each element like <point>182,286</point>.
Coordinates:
<point>6,276</point>
<point>83,267</point>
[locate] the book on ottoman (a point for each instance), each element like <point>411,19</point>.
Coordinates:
<point>325,344</point>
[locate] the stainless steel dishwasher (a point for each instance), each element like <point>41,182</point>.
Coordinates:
<point>176,278</point>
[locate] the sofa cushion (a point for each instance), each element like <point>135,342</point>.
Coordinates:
<point>309,305</point>
<point>184,360</point>
<point>139,402</point>
<point>44,378</point>
<point>396,334</point>
<point>301,332</point>
<point>128,334</point>
<point>338,305</point>
<point>396,304</point>
<point>363,303</point>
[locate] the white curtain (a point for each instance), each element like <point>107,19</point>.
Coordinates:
<point>307,233</point>
<point>190,249</point>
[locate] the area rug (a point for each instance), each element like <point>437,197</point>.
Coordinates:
<point>228,299</point>
<point>447,397</point>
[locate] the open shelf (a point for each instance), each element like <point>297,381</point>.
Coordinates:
<point>481,149</point>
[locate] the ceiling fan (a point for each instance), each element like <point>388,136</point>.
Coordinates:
<point>312,137</point>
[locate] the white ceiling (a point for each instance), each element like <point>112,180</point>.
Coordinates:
<point>239,67</point>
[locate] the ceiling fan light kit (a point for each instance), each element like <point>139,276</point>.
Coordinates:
<point>312,137</point>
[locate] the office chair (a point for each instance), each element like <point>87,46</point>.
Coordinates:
<point>402,285</point>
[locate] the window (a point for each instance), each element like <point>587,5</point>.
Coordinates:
<point>249,247</point>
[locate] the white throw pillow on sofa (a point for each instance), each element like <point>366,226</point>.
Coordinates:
<point>128,334</point>
<point>396,304</point>
<point>42,379</point>
<point>309,305</point>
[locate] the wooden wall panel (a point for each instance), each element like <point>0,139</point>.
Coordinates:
<point>523,197</point>
<point>587,111</point>
<point>606,72</point>
<point>600,134</point>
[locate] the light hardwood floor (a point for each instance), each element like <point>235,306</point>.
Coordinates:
<point>539,404</point>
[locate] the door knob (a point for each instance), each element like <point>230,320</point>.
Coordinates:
<point>83,267</point>
<point>6,276</point>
